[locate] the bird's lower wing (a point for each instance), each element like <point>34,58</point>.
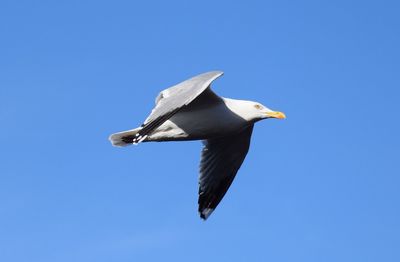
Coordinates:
<point>173,99</point>
<point>221,158</point>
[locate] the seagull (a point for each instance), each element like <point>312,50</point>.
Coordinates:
<point>190,110</point>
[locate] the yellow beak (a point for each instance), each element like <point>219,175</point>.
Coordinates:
<point>278,115</point>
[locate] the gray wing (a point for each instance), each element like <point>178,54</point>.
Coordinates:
<point>173,99</point>
<point>221,158</point>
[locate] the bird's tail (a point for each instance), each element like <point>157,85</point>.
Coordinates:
<point>124,138</point>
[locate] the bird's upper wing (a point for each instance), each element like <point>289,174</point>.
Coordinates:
<point>221,158</point>
<point>171,100</point>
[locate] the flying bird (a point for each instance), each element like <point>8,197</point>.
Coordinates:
<point>190,110</point>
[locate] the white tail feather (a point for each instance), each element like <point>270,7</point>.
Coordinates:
<point>124,138</point>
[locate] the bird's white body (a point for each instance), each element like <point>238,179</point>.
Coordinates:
<point>199,123</point>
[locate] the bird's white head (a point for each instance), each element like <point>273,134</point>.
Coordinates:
<point>253,111</point>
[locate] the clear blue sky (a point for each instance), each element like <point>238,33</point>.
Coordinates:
<point>323,185</point>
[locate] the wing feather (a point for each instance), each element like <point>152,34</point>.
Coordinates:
<point>221,158</point>
<point>173,99</point>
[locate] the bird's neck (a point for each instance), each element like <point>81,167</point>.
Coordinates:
<point>239,107</point>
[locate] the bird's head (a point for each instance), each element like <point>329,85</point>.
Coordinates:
<point>254,111</point>
<point>263,112</point>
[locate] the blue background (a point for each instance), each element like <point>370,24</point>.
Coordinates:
<point>323,185</point>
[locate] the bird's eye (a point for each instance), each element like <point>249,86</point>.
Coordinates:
<point>257,106</point>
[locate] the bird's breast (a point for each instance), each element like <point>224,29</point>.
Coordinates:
<point>199,124</point>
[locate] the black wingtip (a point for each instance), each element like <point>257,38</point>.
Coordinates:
<point>205,213</point>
